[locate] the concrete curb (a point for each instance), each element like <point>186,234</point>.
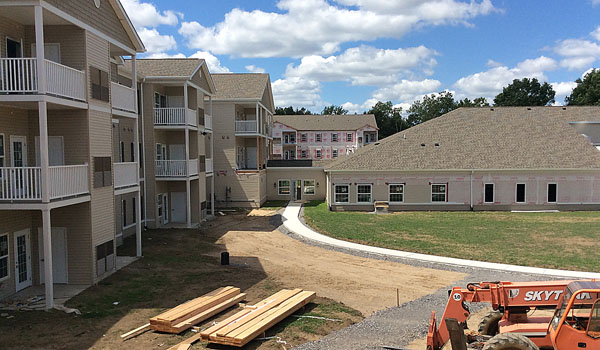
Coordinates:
<point>292,222</point>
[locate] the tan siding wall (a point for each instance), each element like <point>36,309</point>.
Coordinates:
<point>72,125</point>
<point>124,131</point>
<point>100,134</point>
<point>70,38</point>
<point>245,189</point>
<point>103,19</point>
<point>224,134</point>
<point>275,174</point>
<point>200,79</point>
<point>15,122</point>
<point>97,56</point>
<point>149,154</point>
<point>11,29</point>
<point>130,198</point>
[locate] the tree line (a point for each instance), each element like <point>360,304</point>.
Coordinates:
<point>524,92</point>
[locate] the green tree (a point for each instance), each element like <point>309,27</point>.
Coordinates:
<point>291,111</point>
<point>525,92</point>
<point>478,102</point>
<point>334,110</point>
<point>430,107</point>
<point>587,91</point>
<point>389,119</point>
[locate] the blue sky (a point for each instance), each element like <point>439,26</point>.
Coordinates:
<point>355,52</point>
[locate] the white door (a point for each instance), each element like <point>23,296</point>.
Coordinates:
<point>240,158</point>
<point>251,158</point>
<point>18,151</point>
<point>59,255</point>
<point>165,209</point>
<point>177,152</point>
<point>51,52</point>
<point>56,150</point>
<point>22,260</point>
<point>178,206</point>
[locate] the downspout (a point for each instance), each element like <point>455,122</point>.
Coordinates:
<point>144,148</point>
<point>471,191</point>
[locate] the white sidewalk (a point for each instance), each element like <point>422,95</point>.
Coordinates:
<point>292,222</point>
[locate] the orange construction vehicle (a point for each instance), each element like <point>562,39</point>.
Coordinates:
<point>514,325</point>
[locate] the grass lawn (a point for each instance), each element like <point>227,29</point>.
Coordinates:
<point>274,205</point>
<point>566,240</point>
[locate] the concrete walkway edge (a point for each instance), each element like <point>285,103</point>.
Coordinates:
<point>292,222</point>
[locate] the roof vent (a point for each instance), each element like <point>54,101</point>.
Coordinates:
<point>404,136</point>
<point>564,108</point>
<point>437,145</point>
<point>528,108</point>
<point>491,109</point>
<point>377,143</point>
<point>422,145</point>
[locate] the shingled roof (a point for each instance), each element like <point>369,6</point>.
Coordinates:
<point>485,138</point>
<point>240,86</point>
<point>327,122</point>
<point>166,67</point>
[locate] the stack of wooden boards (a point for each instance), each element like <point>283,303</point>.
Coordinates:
<point>184,316</point>
<point>254,320</point>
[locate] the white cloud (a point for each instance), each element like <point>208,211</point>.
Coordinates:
<point>214,65</point>
<point>579,54</point>
<point>166,55</point>
<point>353,108</point>
<point>562,89</point>
<point>407,90</point>
<point>254,69</point>
<point>297,92</point>
<point>144,14</point>
<point>317,27</point>
<point>490,83</point>
<point>596,33</point>
<point>365,65</point>
<point>155,42</point>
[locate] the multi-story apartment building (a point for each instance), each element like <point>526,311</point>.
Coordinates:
<point>176,115</point>
<point>321,136</point>
<point>243,111</point>
<point>59,176</point>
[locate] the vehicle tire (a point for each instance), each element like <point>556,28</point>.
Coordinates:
<point>510,341</point>
<point>489,323</point>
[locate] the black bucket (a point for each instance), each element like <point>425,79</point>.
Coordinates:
<point>224,258</point>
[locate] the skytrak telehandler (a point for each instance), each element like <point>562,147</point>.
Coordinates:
<point>514,325</point>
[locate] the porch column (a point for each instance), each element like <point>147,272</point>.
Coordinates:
<point>134,81</point>
<point>48,278</point>
<point>257,158</point>
<point>212,194</point>
<point>188,193</point>
<point>257,124</point>
<point>42,107</point>
<point>138,224</point>
<point>39,49</point>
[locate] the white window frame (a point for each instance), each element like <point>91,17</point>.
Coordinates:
<point>390,193</point>
<point>7,257</point>
<point>303,153</point>
<point>334,137</point>
<point>524,192</point>
<point>370,193</point>
<point>349,137</point>
<point>318,137</point>
<point>493,193</point>
<point>445,193</point>
<point>279,187</point>
<point>3,155</point>
<point>305,186</point>
<point>335,193</point>
<point>319,154</point>
<point>548,192</point>
<point>334,153</point>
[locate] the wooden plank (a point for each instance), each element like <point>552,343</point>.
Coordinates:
<point>186,344</point>
<point>184,309</point>
<point>136,332</point>
<point>208,313</point>
<point>205,306</point>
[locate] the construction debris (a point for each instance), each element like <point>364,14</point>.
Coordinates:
<point>252,321</point>
<point>136,332</point>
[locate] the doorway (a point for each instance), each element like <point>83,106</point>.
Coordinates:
<point>298,190</point>
<point>22,259</point>
<point>178,207</point>
<point>14,48</point>
<point>59,255</point>
<point>165,203</point>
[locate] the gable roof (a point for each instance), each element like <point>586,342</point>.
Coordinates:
<point>127,25</point>
<point>484,138</point>
<point>327,122</point>
<point>167,67</point>
<point>241,86</point>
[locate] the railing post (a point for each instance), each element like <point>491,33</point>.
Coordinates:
<point>39,49</point>
<point>138,224</point>
<point>47,239</point>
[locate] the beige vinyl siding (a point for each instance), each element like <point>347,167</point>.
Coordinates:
<point>129,197</point>
<point>72,125</point>
<point>103,19</point>
<point>70,38</point>
<point>11,29</point>
<point>149,154</point>
<point>123,132</point>
<point>15,122</point>
<point>200,79</point>
<point>100,130</point>
<point>98,53</point>
<point>245,189</point>
<point>275,174</point>
<point>224,142</point>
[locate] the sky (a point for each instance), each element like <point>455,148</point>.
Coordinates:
<point>357,52</point>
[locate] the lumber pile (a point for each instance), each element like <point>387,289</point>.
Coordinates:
<point>241,328</point>
<point>186,315</point>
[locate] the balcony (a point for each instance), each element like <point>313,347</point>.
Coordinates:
<point>209,166</point>
<point>24,184</point>
<point>122,97</point>
<point>175,117</point>
<point>176,168</point>
<point>126,174</point>
<point>246,127</point>
<point>20,76</point>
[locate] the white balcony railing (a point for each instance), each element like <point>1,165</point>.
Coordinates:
<point>209,165</point>
<point>246,127</point>
<point>175,117</point>
<point>122,97</point>
<point>126,174</point>
<point>20,75</point>
<point>24,184</point>
<point>176,168</point>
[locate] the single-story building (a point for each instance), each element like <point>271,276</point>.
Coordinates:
<point>507,158</point>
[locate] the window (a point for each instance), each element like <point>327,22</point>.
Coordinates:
<point>438,193</point>
<point>349,137</point>
<point>318,153</point>
<point>1,150</point>
<point>552,193</point>
<point>105,257</point>
<point>160,205</point>
<point>160,101</point>
<point>133,214</point>
<point>102,172</point>
<point>132,152</point>
<point>520,195</point>
<point>4,256</point>
<point>283,187</point>
<point>594,323</point>
<point>303,137</point>
<point>334,153</point>
<point>318,137</point>
<point>334,137</point>
<point>363,193</point>
<point>292,138</point>
<point>341,193</point>
<point>488,193</point>
<point>303,153</point>
<point>99,79</point>
<point>396,193</point>
<point>124,212</point>
<point>309,186</point>
<point>122,149</point>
